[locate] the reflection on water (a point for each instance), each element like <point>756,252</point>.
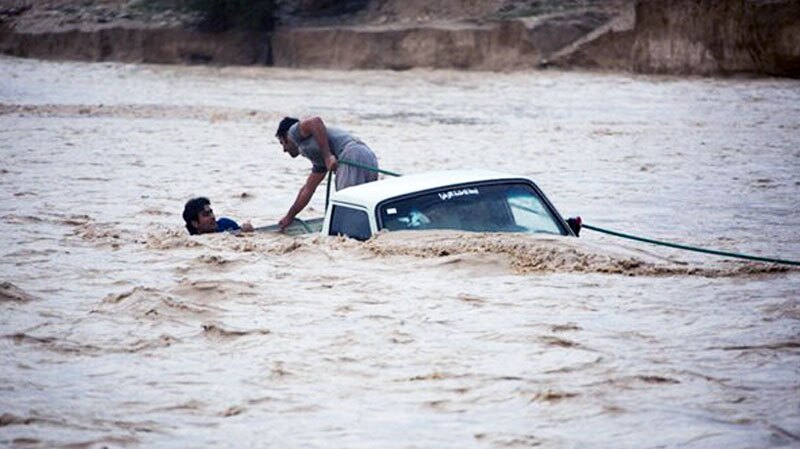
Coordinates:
<point>119,329</point>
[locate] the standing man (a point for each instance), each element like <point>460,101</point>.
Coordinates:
<point>323,146</point>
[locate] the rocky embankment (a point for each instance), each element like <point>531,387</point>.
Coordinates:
<point>687,37</point>
<point>120,30</point>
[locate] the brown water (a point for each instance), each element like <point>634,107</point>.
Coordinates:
<point>118,329</point>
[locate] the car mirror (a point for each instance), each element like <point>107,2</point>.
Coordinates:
<point>575,223</point>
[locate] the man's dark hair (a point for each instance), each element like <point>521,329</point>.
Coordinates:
<point>284,126</point>
<point>192,210</point>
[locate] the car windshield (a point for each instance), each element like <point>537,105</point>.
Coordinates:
<point>508,207</point>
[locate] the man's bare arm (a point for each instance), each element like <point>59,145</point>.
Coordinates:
<point>303,197</point>
<point>314,126</point>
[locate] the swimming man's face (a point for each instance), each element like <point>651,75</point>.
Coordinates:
<point>206,221</point>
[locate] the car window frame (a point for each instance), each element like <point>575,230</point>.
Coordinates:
<point>562,225</point>
<point>345,206</point>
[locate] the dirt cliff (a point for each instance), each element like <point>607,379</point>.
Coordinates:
<point>700,37</point>
<point>152,31</point>
<point>697,37</point>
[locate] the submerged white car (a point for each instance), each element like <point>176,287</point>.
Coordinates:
<point>466,200</point>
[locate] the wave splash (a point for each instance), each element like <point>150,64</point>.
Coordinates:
<point>544,254</point>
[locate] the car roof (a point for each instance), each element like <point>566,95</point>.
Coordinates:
<point>372,193</point>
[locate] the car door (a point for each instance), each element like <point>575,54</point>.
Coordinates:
<point>350,221</point>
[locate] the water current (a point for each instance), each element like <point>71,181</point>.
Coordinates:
<point>117,329</point>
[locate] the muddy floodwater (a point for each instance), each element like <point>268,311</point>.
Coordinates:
<point>118,329</point>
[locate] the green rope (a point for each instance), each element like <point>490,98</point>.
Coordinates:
<point>692,248</point>
<point>305,226</point>
<point>367,167</point>
<point>328,191</point>
<point>359,165</point>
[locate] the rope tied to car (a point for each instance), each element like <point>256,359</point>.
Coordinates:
<point>691,248</point>
<point>368,167</point>
<point>604,230</point>
<point>357,165</point>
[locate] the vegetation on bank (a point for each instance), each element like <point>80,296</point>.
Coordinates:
<point>219,15</point>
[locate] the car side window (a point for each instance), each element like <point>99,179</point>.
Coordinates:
<point>353,223</point>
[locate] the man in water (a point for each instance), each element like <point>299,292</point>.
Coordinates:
<point>200,219</point>
<point>323,146</point>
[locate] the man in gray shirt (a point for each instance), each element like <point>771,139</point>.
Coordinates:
<point>324,146</point>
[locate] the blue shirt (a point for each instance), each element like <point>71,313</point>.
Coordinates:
<point>226,224</point>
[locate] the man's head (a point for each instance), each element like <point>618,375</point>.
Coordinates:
<point>283,136</point>
<point>199,217</point>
